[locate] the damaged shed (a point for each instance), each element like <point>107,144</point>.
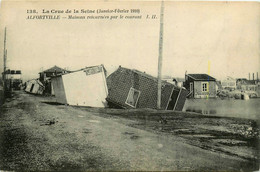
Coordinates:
<point>85,87</point>
<point>34,86</point>
<point>134,89</point>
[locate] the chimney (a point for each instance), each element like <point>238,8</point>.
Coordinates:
<point>253,76</point>
<point>249,76</point>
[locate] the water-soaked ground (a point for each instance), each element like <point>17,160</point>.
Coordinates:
<point>29,140</point>
<point>230,107</point>
<point>232,136</point>
<point>36,134</point>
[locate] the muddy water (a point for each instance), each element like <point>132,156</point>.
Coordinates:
<point>230,107</point>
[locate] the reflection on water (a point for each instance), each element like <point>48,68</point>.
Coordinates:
<point>229,107</point>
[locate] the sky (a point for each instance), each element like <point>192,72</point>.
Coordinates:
<point>217,38</point>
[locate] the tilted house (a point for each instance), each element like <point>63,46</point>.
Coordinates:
<point>85,87</point>
<point>200,85</point>
<point>134,89</point>
<point>34,86</point>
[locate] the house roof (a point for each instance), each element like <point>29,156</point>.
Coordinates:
<point>201,77</point>
<point>241,79</point>
<point>8,71</point>
<point>35,81</point>
<point>55,69</point>
<point>88,70</point>
<point>249,82</point>
<point>142,74</point>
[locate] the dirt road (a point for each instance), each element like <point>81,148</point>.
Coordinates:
<point>38,134</point>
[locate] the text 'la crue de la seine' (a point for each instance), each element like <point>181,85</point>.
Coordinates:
<point>110,14</point>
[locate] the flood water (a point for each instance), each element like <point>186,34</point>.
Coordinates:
<point>249,109</point>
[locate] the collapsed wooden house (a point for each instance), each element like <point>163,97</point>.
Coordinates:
<point>134,89</point>
<point>34,86</point>
<point>85,87</point>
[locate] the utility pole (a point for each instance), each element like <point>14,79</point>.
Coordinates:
<point>5,56</point>
<point>5,59</point>
<point>160,57</point>
<point>5,51</point>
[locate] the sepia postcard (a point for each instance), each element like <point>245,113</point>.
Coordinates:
<point>129,85</point>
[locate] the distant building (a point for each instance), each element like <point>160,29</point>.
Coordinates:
<point>247,85</point>
<point>13,79</point>
<point>229,83</point>
<point>200,85</point>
